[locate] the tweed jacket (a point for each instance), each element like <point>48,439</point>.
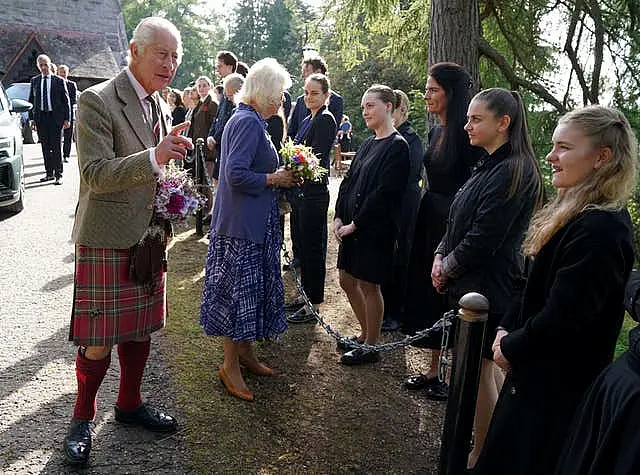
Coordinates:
<point>117,181</point>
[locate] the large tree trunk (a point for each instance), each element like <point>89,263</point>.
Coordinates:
<point>454,35</point>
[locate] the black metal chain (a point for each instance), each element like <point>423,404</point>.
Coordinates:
<point>444,325</point>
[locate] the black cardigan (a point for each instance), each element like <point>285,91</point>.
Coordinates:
<point>320,137</point>
<point>370,194</point>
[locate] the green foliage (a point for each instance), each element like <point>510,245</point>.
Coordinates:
<point>201,33</point>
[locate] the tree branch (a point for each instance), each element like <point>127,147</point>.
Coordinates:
<point>571,52</point>
<point>496,58</point>
<point>596,15</point>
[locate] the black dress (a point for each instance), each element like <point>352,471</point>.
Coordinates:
<point>370,196</point>
<point>562,337</point>
<point>445,176</point>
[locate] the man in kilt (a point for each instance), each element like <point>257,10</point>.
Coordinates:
<point>123,144</point>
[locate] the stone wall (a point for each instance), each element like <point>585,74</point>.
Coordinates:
<point>87,16</point>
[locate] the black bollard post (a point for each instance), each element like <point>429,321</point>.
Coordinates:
<point>465,377</point>
<point>199,179</point>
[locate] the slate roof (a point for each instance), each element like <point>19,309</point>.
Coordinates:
<point>88,55</point>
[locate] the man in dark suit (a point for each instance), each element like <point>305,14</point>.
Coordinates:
<point>72,88</point>
<point>51,113</point>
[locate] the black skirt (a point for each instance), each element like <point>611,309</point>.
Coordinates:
<point>366,258</point>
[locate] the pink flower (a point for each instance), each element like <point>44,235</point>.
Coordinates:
<point>175,204</point>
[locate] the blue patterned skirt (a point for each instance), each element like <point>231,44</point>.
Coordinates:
<point>243,296</point>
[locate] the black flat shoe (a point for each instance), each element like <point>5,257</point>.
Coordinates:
<point>77,443</point>
<point>360,356</point>
<point>419,381</point>
<point>304,315</point>
<point>438,391</point>
<point>344,347</point>
<point>294,305</point>
<point>148,417</point>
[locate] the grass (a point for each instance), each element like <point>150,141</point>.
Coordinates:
<point>314,416</point>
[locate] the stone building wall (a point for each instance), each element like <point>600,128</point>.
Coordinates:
<point>88,16</point>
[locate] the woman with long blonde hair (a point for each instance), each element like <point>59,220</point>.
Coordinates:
<point>564,330</point>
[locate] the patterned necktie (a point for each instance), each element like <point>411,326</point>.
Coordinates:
<point>45,94</point>
<point>155,118</point>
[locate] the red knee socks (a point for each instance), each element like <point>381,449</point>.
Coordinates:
<point>89,374</point>
<point>133,358</point>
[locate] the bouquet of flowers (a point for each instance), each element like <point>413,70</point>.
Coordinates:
<point>302,162</point>
<point>176,195</point>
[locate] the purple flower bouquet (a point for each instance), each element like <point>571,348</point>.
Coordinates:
<point>176,197</point>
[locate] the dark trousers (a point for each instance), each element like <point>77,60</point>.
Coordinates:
<point>311,217</point>
<point>394,290</point>
<point>50,134</point>
<point>68,138</point>
<point>294,225</point>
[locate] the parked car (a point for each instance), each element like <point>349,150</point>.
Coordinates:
<point>20,90</point>
<point>11,163</point>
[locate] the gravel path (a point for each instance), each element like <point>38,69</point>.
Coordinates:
<point>37,379</point>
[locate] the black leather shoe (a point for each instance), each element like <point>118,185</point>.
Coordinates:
<point>344,347</point>
<point>390,324</point>
<point>294,305</point>
<point>438,391</point>
<point>419,381</point>
<point>58,181</point>
<point>359,356</point>
<point>304,315</point>
<point>65,159</point>
<point>77,443</point>
<point>148,417</point>
<point>46,178</point>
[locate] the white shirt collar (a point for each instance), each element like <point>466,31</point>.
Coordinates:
<point>140,91</point>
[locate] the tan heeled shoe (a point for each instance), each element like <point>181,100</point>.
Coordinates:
<point>245,395</point>
<point>257,369</point>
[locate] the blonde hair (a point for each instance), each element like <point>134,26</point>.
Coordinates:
<point>402,104</point>
<point>264,84</point>
<point>607,187</point>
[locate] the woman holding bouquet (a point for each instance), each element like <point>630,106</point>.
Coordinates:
<point>318,131</point>
<point>366,214</point>
<point>243,297</point>
<point>564,329</point>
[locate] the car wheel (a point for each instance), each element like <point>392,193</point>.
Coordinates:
<point>18,205</point>
<point>27,134</point>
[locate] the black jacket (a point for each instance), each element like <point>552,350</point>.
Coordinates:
<point>562,337</point>
<point>60,102</point>
<point>485,230</point>
<point>416,152</point>
<point>320,137</point>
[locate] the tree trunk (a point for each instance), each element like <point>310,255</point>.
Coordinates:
<point>454,35</point>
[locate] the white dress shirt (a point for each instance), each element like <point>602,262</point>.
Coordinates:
<point>46,78</point>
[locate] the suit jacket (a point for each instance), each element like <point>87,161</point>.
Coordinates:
<point>72,88</point>
<point>203,116</point>
<point>117,181</point>
<point>60,103</point>
<point>320,137</point>
<point>300,111</point>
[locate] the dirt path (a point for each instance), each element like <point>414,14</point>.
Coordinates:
<point>314,416</point>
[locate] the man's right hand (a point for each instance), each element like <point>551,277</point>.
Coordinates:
<point>174,146</point>
<point>211,143</point>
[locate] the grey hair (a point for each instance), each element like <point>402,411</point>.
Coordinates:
<point>265,82</point>
<point>146,29</point>
<point>43,57</point>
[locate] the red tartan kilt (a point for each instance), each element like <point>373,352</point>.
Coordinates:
<point>108,307</point>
